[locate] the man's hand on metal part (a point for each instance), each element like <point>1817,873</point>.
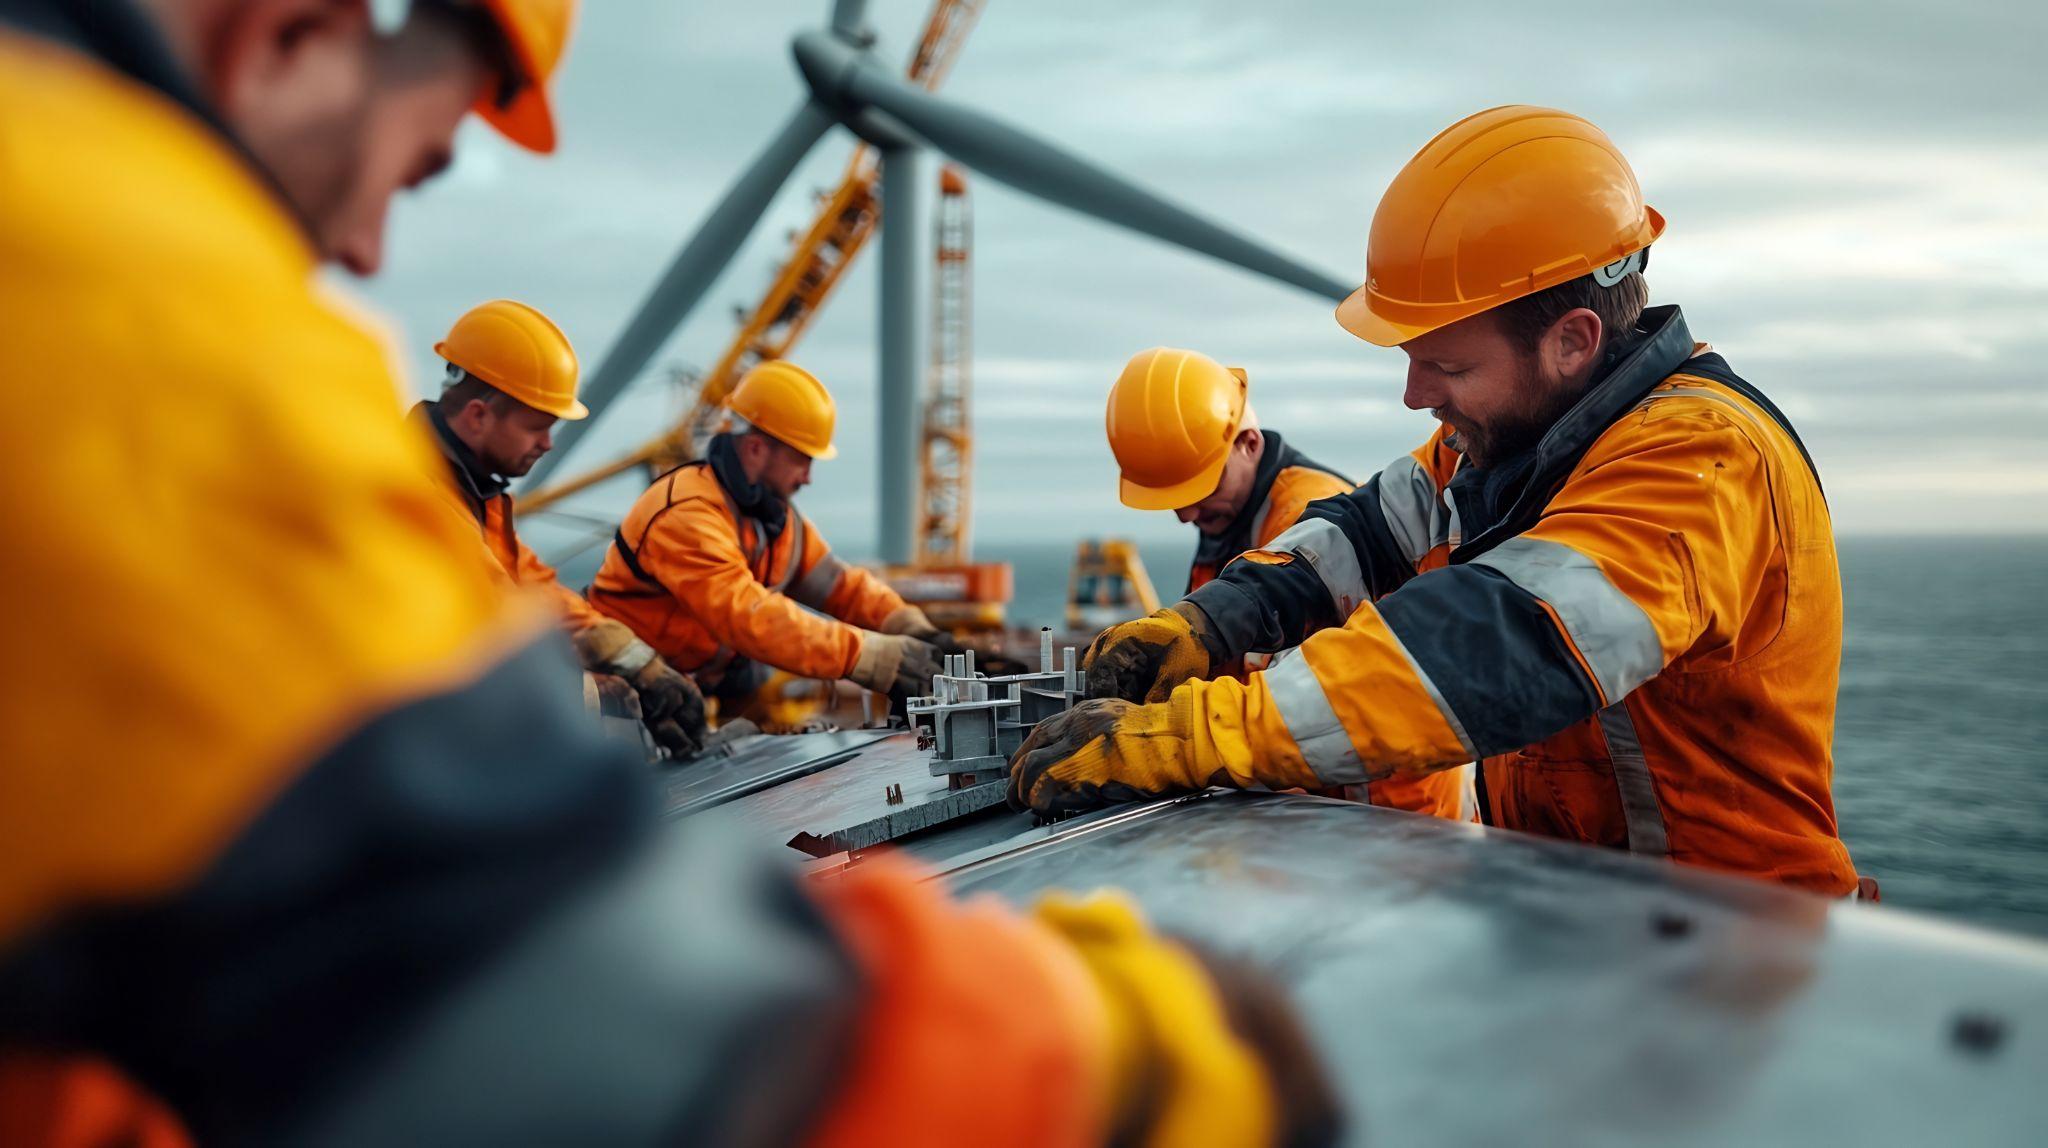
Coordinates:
<point>1143,661</point>
<point>1106,751</point>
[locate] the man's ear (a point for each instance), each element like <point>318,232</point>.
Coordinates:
<point>1571,347</point>
<point>470,416</point>
<point>262,46</point>
<point>1248,440</point>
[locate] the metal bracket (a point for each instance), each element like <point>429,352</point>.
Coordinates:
<point>972,723</point>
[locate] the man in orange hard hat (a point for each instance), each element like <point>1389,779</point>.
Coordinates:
<point>1186,439</point>
<point>1609,574</point>
<point>351,869</point>
<point>511,375</point>
<point>715,567</point>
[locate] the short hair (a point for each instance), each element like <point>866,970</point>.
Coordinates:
<point>460,388</point>
<point>1524,320</point>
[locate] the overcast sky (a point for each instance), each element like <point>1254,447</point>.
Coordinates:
<point>1857,196</point>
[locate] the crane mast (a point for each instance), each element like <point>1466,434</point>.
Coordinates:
<point>944,495</point>
<point>819,257</point>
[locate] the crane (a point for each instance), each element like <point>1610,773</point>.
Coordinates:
<point>955,591</point>
<point>819,257</point>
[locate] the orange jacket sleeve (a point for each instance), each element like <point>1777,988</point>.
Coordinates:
<point>1293,489</point>
<point>577,613</point>
<point>693,550</point>
<point>849,593</point>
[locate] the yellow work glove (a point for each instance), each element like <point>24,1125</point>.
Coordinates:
<point>1106,751</point>
<point>1202,1050</point>
<point>1142,661</point>
<point>895,664</point>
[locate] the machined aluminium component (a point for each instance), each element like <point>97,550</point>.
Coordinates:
<point>973,723</point>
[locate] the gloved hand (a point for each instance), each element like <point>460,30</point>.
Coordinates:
<point>895,664</point>
<point>1203,1049</point>
<point>916,623</point>
<point>1142,661</point>
<point>1106,751</point>
<point>671,707</point>
<point>609,695</point>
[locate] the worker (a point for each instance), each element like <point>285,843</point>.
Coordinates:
<point>349,868</point>
<point>511,375</point>
<point>716,568</point>
<point>1609,574</point>
<point>1186,439</point>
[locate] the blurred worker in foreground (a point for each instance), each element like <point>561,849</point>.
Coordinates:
<point>1609,574</point>
<point>511,375</point>
<point>714,565</point>
<point>1186,439</point>
<point>350,868</point>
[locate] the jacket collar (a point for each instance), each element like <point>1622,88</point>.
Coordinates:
<point>1534,479</point>
<point>478,483</point>
<point>751,499</point>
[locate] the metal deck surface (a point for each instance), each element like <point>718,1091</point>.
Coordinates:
<point>1478,987</point>
<point>757,763</point>
<point>851,795</point>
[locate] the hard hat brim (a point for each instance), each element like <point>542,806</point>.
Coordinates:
<point>528,120</point>
<point>1355,314</point>
<point>1180,494</point>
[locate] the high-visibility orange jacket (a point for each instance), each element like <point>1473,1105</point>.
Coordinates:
<point>700,582</point>
<point>1638,628</point>
<point>345,862</point>
<point>1282,488</point>
<point>484,499</point>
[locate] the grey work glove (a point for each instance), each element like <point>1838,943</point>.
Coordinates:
<point>670,705</point>
<point>917,624</point>
<point>895,664</point>
<point>672,709</point>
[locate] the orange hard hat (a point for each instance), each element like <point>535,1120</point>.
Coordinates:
<point>536,35</point>
<point>519,351</point>
<point>1500,205</point>
<point>789,403</point>
<point>1172,417</point>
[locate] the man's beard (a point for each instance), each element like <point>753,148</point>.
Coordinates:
<point>1517,430</point>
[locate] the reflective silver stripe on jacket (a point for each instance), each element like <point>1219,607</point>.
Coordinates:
<point>1305,708</point>
<point>1632,778</point>
<point>1611,632</point>
<point>1329,553</point>
<point>816,586</point>
<point>1408,501</point>
<point>1443,706</point>
<point>796,552</point>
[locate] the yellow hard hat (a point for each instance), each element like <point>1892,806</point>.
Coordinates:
<point>519,351</point>
<point>1500,205</point>
<point>1172,417</point>
<point>785,401</point>
<point>537,34</point>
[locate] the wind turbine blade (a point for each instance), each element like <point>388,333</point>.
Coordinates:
<point>687,277</point>
<point>1039,168</point>
<point>848,16</point>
